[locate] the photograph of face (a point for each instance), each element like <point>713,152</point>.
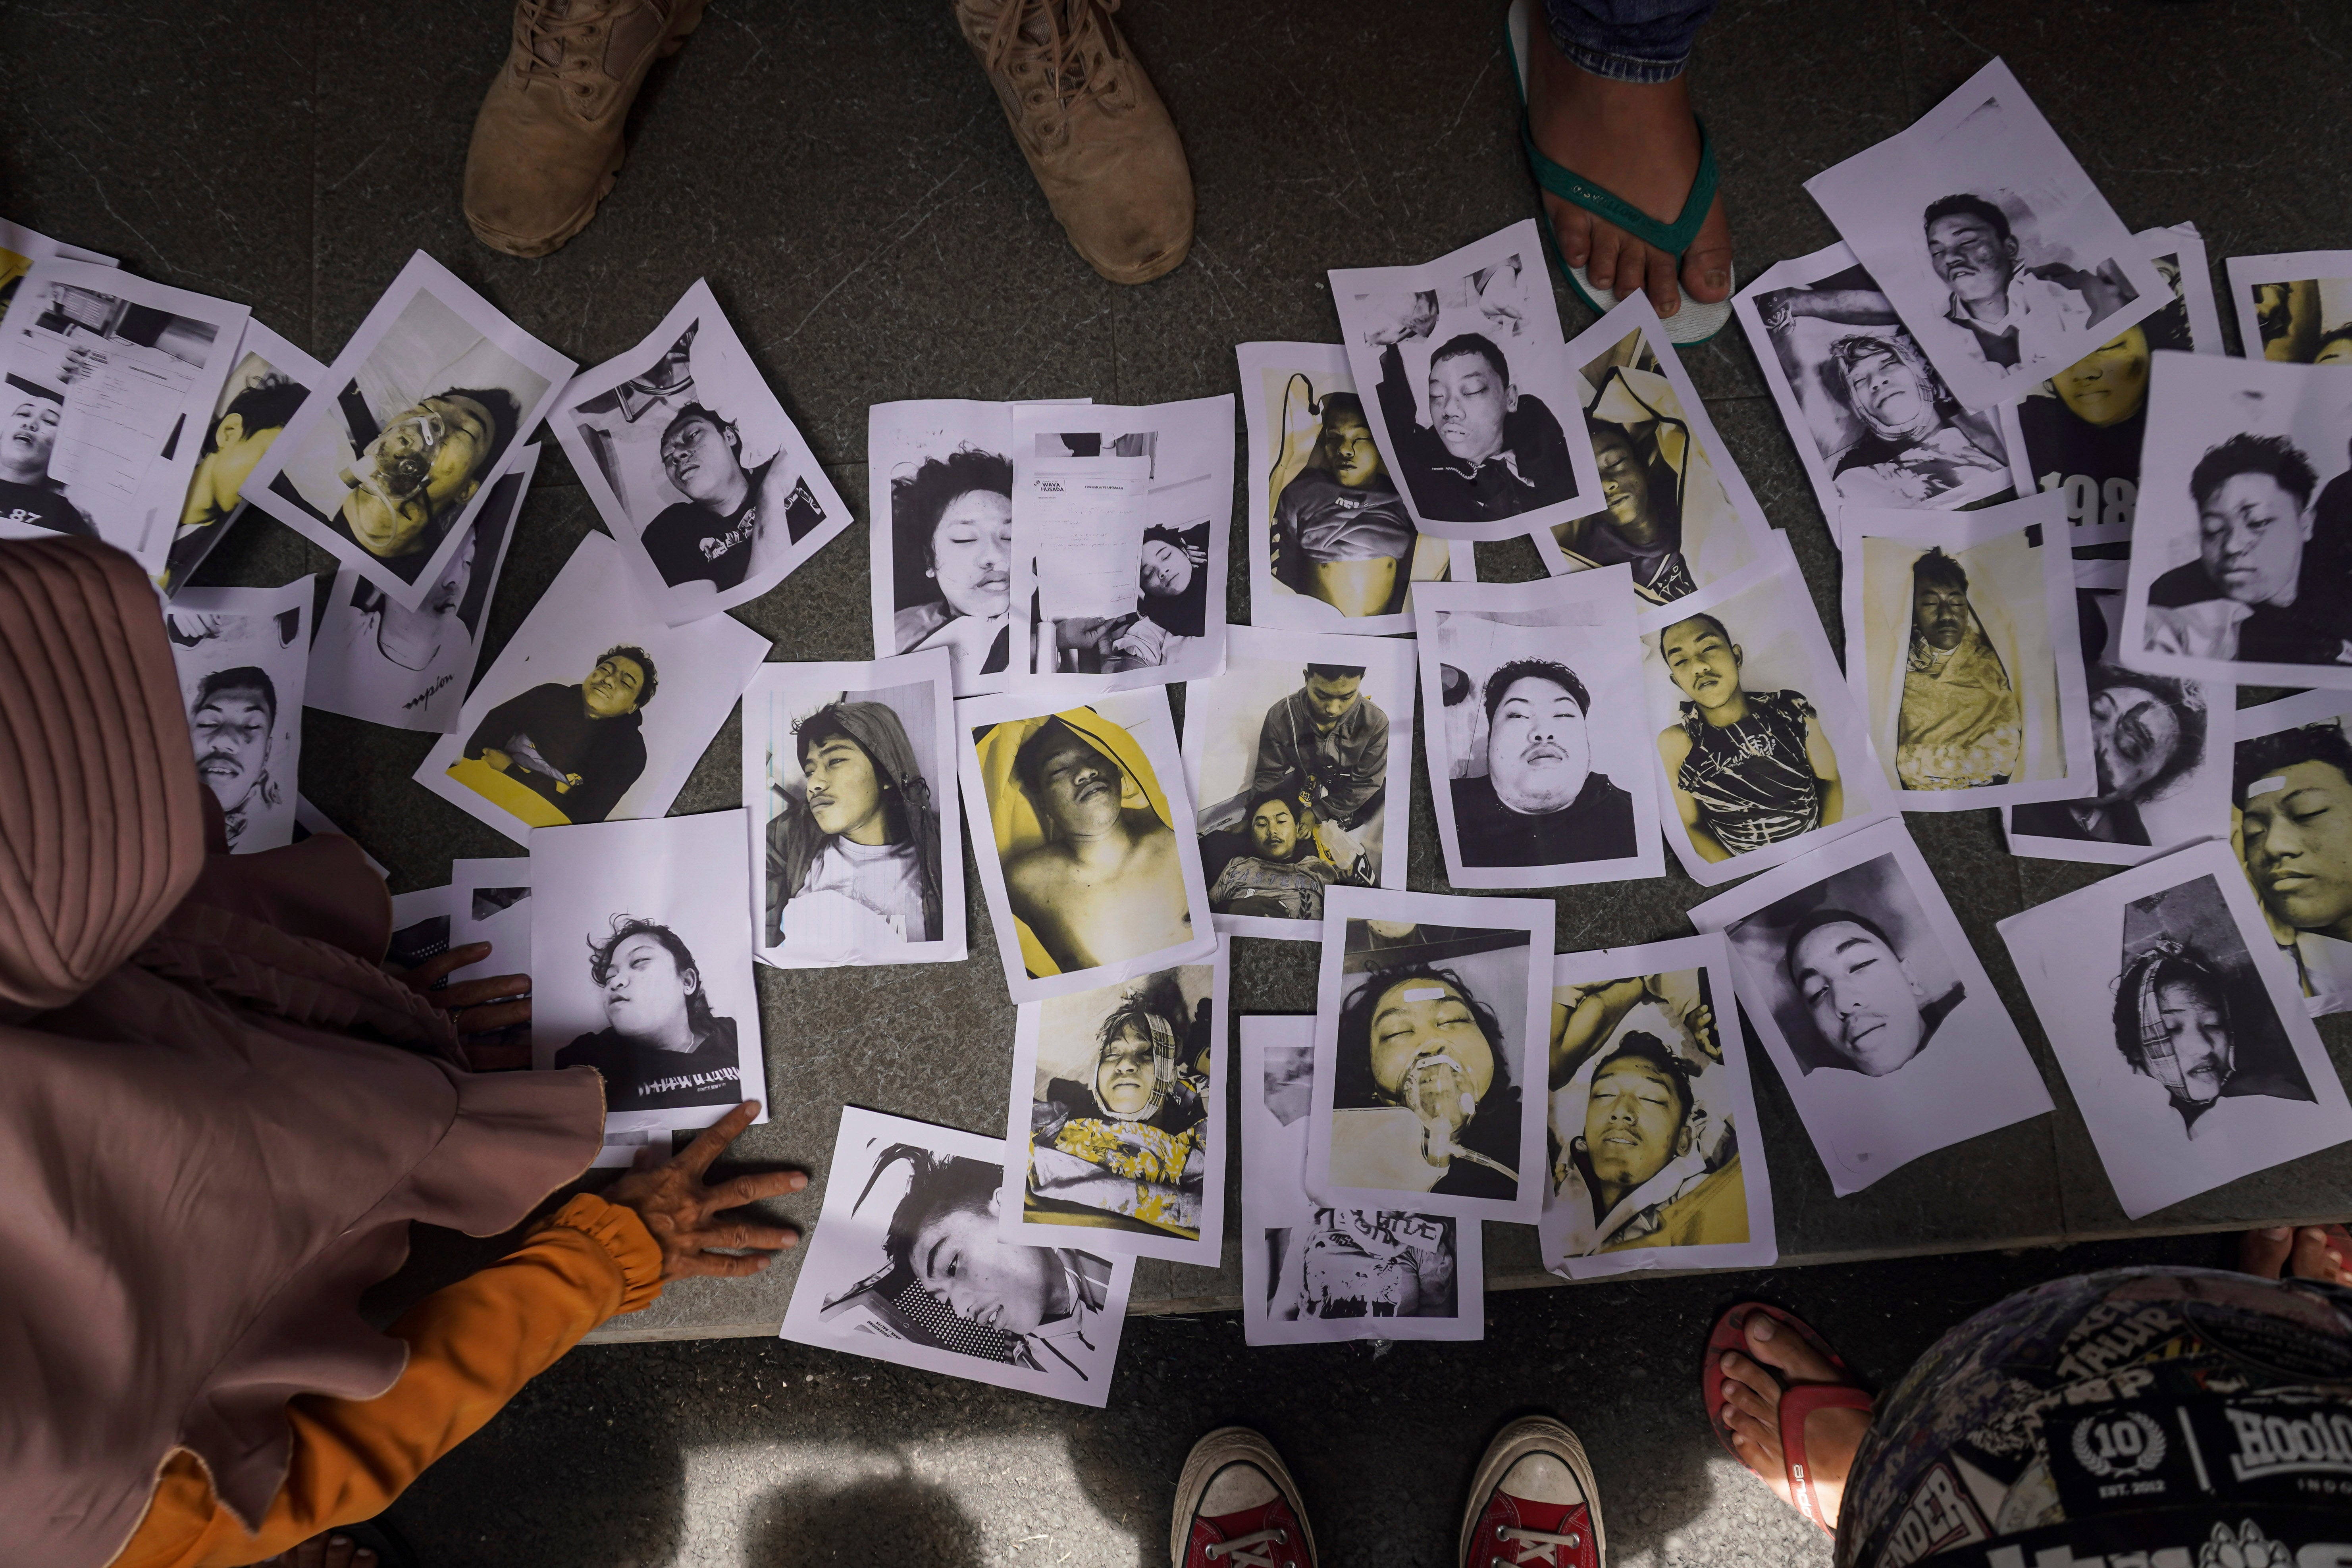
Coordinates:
<point>1535,728</point>
<point>264,390</point>
<point>2297,307</point>
<point>1649,1106</point>
<point>905,1265</point>
<point>1470,391</point>
<point>2080,432</point>
<point>427,399</point>
<point>1117,1120</point>
<point>1995,249</point>
<point>375,659</point>
<point>241,655</point>
<point>1090,881</point>
<point>1290,754</point>
<point>1873,422</point>
<point>1332,546</point>
<point>594,710</point>
<point>2189,1055</point>
<point>1315,1273</point>
<point>98,371</point>
<point>2243,550</point>
<point>1674,509</point>
<point>2290,825</point>
<point>1752,714</point>
<point>641,966</point>
<point>848,778</point>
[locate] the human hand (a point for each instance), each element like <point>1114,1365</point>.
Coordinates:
<point>563,786</point>
<point>488,1005</point>
<point>1702,1029</point>
<point>493,757</point>
<point>1776,309</point>
<point>681,1211</point>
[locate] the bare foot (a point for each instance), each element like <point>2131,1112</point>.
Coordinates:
<point>2313,1252</point>
<point>326,1550</point>
<point>1637,141</point>
<point>1753,1413</point>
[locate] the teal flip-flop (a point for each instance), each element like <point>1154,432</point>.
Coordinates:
<point>1696,322</point>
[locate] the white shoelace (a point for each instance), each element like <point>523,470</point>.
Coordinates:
<point>1250,1551</point>
<point>1537,1545</point>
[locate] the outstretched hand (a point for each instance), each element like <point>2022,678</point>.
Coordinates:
<point>681,1212</point>
<point>478,1008</point>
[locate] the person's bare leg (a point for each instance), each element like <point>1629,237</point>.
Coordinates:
<point>2308,1253</point>
<point>1637,141</point>
<point>1752,1409</point>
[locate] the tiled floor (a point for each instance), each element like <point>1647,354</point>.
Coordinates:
<point>840,173</point>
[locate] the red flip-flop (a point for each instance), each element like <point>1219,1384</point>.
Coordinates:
<point>1797,1400</point>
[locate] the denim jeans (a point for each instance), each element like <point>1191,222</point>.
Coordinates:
<point>1630,40</point>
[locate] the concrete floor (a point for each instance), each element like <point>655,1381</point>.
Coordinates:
<point>839,171</point>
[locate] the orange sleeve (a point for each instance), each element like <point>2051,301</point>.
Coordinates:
<point>470,1349</point>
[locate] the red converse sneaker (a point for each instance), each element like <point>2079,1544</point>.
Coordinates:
<point>1236,1507</point>
<point>1532,1501</point>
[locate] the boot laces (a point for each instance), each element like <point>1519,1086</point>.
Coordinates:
<point>1536,1545</point>
<point>1054,51</point>
<point>546,32</point>
<point>1252,1550</point>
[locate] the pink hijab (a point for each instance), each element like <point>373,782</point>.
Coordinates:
<point>218,1115</point>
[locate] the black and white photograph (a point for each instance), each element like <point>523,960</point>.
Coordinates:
<point>1431,1031</point>
<point>1674,506</point>
<point>849,782</point>
<point>1115,1130</point>
<point>1655,1158</point>
<point>1299,759</point>
<point>268,384</point>
<point>1954,624</point>
<point>1762,750</point>
<point>1472,399</point>
<point>713,492</point>
<point>1088,864</point>
<point>2296,306</point>
<point>2241,548</point>
<point>102,371</point>
<point>377,660</point>
<point>241,655</point>
<point>1993,245</point>
<point>1538,740</point>
<point>641,967</point>
<point>2159,749</point>
<point>388,462</point>
<point>1332,548</point>
<point>2290,824</point>
<point>21,247</point>
<point>2080,431</point>
<point>1121,521</point>
<point>1316,1274</point>
<point>2192,1062</point>
<point>489,901</point>
<point>594,710</point>
<point>1863,989</point>
<point>1871,421</point>
<point>905,1265</point>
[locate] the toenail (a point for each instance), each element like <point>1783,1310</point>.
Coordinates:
<point>2280,1234</point>
<point>1763,1329</point>
<point>1715,279</point>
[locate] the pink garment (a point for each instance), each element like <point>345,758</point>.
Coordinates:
<point>218,1114</point>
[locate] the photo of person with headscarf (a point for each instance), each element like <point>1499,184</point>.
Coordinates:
<point>854,851</point>
<point>662,1046</point>
<point>1959,725</point>
<point>2173,1026</point>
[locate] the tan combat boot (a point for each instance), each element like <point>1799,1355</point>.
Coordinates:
<point>547,144</point>
<point>1096,134</point>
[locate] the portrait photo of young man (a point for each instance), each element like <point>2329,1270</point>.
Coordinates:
<point>28,435</point>
<point>1960,724</point>
<point>852,856</point>
<point>1539,802</point>
<point>1871,1013</point>
<point>578,746</point>
<point>1745,768</point>
<point>2292,795</point>
<point>2264,587</point>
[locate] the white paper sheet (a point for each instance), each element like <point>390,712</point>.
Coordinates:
<point>1327,548</point>
<point>2291,798</point>
<point>110,380</point>
<point>267,383</point>
<point>1430,1039</point>
<point>1351,787</point>
<point>21,247</point>
<point>1674,507</point>
<point>2210,1069</point>
<point>1896,1045</point>
<point>1040,1320</point>
<point>1498,459</point>
<point>2160,745</point>
<point>1659,1163</point>
<point>1116,1131</point>
<point>489,901</point>
<point>420,927</point>
<point>2252,585</point>
<point>1535,786</point>
<point>1090,872</point>
<point>417,411</point>
<point>1757,632</point>
<point>698,670</point>
<point>241,654</point>
<point>1312,1274</point>
<point>2051,262</point>
<point>641,966</point>
<point>1998,717</point>
<point>2292,307</point>
<point>848,902</point>
<point>714,508</point>
<point>411,668</point>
